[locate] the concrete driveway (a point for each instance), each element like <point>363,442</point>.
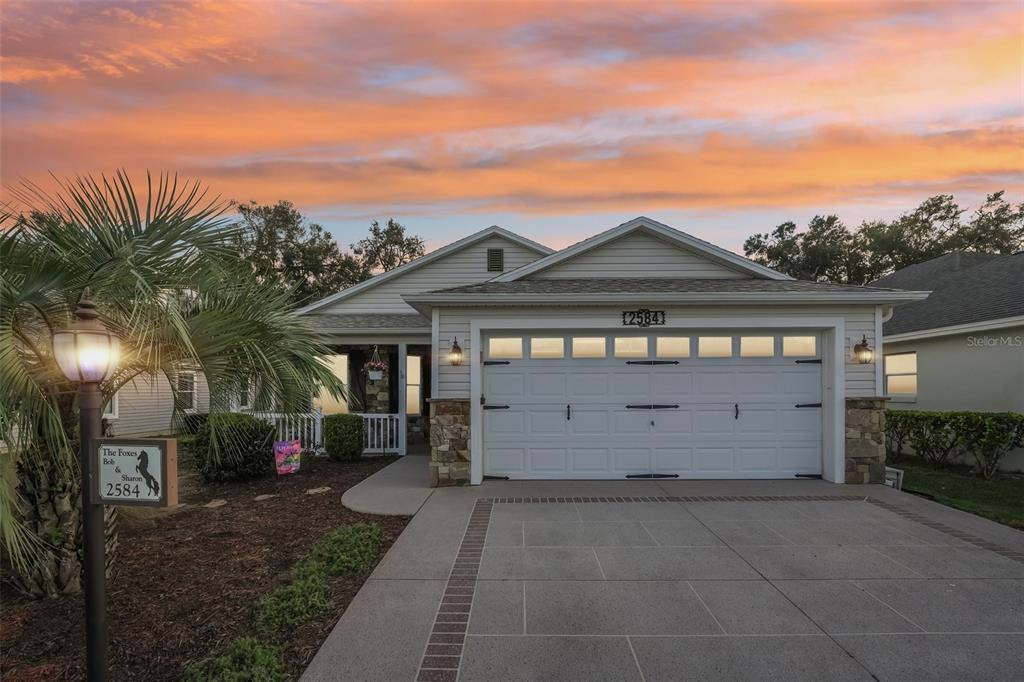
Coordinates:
<point>654,580</point>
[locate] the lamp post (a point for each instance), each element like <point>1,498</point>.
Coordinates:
<point>87,354</point>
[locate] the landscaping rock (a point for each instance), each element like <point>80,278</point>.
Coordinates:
<point>213,504</point>
<point>260,498</point>
<point>317,491</point>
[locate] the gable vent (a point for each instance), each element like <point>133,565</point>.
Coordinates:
<point>495,260</point>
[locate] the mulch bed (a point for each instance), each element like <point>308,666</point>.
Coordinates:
<point>185,583</point>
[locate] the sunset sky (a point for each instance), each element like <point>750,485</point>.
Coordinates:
<point>553,120</point>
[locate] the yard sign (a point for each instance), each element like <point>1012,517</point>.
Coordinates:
<point>136,471</point>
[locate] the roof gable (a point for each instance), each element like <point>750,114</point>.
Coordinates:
<point>716,261</point>
<point>494,233</point>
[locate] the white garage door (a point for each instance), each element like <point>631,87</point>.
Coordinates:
<point>708,405</point>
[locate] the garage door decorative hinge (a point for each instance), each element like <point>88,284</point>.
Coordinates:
<point>807,405</point>
<point>496,407</point>
<point>488,363</point>
<point>657,406</point>
<point>652,362</point>
<point>814,361</point>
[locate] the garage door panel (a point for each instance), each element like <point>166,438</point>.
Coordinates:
<point>714,383</point>
<point>758,384</point>
<point>501,387</point>
<point>804,459</point>
<point>756,459</point>
<point>506,460</point>
<point>590,460</point>
<point>674,385</point>
<point>498,423</point>
<point>677,422</point>
<point>549,384</point>
<point>547,422</point>
<point>709,459</point>
<point>588,384</point>
<point>799,421</point>
<point>630,385</point>
<point>630,422</point>
<point>632,460</point>
<point>548,460</point>
<point>757,422</point>
<point>714,422</point>
<point>587,422</point>
<point>801,384</point>
<point>673,460</point>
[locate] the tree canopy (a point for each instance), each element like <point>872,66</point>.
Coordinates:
<point>388,247</point>
<point>829,251</point>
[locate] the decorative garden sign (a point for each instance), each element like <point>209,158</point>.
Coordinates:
<point>136,471</point>
<point>643,318</point>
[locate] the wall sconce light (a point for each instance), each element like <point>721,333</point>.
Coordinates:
<point>862,352</point>
<point>455,354</point>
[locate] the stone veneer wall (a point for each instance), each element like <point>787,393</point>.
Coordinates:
<point>865,440</point>
<point>449,441</point>
<point>378,399</point>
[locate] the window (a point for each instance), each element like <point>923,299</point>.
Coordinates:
<point>110,410</point>
<point>495,260</point>
<point>186,391</point>
<point>413,385</point>
<point>757,346</point>
<point>327,403</point>
<point>673,347</point>
<point>588,346</point>
<point>901,375</point>
<point>714,346</point>
<point>799,346</point>
<point>244,395</point>
<point>547,348</point>
<point>509,348</point>
<point>631,346</point>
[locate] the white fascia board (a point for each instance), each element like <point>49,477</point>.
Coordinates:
<point>363,331</point>
<point>423,302</point>
<point>491,231</point>
<point>715,253</point>
<point>986,325</point>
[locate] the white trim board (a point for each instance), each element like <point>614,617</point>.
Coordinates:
<point>492,231</point>
<point>985,325</point>
<point>670,234</point>
<point>833,389</point>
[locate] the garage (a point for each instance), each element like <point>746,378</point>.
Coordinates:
<point>680,404</point>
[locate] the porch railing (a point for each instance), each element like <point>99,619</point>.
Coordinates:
<point>306,427</point>
<point>382,433</point>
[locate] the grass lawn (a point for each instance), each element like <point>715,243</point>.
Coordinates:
<point>1001,499</point>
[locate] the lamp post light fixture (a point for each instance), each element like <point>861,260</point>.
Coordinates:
<point>862,352</point>
<point>455,353</point>
<point>87,354</point>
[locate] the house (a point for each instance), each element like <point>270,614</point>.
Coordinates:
<point>640,352</point>
<point>145,405</point>
<point>963,347</point>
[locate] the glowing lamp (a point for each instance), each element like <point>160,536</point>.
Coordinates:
<point>862,352</point>
<point>455,354</point>
<point>86,352</point>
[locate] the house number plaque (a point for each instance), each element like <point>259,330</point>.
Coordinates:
<point>643,318</point>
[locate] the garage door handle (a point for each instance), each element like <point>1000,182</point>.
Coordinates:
<point>568,412</point>
<point>737,406</point>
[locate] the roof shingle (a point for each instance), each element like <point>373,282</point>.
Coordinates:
<point>370,321</point>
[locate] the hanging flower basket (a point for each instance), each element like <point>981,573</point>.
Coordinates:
<point>375,367</point>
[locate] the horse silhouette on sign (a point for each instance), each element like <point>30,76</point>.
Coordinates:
<point>143,468</point>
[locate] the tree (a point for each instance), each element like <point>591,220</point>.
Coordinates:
<point>288,251</point>
<point>163,271</point>
<point>388,247</point>
<point>828,251</point>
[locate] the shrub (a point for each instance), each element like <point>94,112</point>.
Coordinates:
<point>988,437</point>
<point>343,436</point>
<point>234,446</point>
<point>301,598</point>
<point>936,436</point>
<point>347,550</point>
<point>246,661</point>
<point>191,424</point>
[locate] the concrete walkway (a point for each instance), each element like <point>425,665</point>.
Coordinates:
<point>399,489</point>
<point>663,580</point>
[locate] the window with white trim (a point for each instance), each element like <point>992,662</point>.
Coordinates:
<point>901,375</point>
<point>631,346</point>
<point>505,348</point>
<point>799,346</point>
<point>714,346</point>
<point>673,347</point>
<point>757,346</point>
<point>588,346</point>
<point>547,348</point>
<point>413,385</point>
<point>185,384</point>
<point>110,410</point>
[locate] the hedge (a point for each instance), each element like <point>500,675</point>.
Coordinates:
<point>343,436</point>
<point>234,446</point>
<point>937,437</point>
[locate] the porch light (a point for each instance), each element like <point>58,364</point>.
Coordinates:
<point>86,352</point>
<point>862,352</point>
<point>455,354</point>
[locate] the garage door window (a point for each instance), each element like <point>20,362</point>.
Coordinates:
<point>714,346</point>
<point>508,348</point>
<point>673,347</point>
<point>757,347</point>
<point>631,346</point>
<point>799,346</point>
<point>547,348</point>
<point>588,346</point>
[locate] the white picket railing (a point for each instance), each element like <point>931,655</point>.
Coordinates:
<point>382,433</point>
<point>305,427</point>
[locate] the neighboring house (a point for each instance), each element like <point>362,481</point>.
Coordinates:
<point>640,352</point>
<point>145,406</point>
<point>963,347</point>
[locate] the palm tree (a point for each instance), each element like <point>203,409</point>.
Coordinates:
<point>162,272</point>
